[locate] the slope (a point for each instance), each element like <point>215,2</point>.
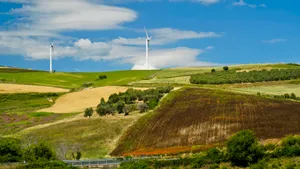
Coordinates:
<point>194,119</point>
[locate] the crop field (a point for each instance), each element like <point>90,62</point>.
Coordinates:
<point>194,118</point>
<point>173,80</point>
<point>272,89</point>
<point>75,80</point>
<point>176,72</point>
<point>16,88</point>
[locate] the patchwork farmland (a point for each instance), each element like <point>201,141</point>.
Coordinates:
<point>194,119</point>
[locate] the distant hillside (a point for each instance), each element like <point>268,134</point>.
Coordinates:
<point>4,69</point>
<point>195,118</point>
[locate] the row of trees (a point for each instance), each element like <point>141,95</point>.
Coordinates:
<point>229,77</point>
<point>131,100</point>
<point>38,155</point>
<point>242,149</point>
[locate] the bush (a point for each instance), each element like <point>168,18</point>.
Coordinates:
<point>101,77</point>
<point>215,155</point>
<point>293,96</point>
<point>39,152</point>
<point>258,94</point>
<point>87,84</point>
<point>243,148</point>
<point>10,150</point>
<point>120,107</point>
<point>214,166</point>
<point>134,165</point>
<point>142,107</point>
<point>286,95</point>
<point>46,165</point>
<point>270,147</point>
<point>225,68</point>
<point>213,70</point>
<point>88,112</point>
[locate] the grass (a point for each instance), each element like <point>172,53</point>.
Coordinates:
<point>26,102</point>
<point>272,89</point>
<point>204,117</point>
<point>94,137</point>
<point>174,80</point>
<point>11,123</point>
<point>76,80</point>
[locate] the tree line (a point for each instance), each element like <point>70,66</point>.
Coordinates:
<point>231,76</point>
<point>130,100</point>
<point>242,150</point>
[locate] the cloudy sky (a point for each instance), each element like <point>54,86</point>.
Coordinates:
<point>102,35</point>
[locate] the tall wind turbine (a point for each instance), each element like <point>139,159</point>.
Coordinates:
<point>147,48</point>
<point>51,53</point>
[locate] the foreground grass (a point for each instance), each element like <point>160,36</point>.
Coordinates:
<point>94,137</point>
<point>205,118</point>
<point>76,80</point>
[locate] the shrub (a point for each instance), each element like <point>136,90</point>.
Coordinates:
<point>39,152</point>
<point>101,77</point>
<point>142,107</point>
<point>214,166</point>
<point>88,112</point>
<point>120,107</point>
<point>215,155</point>
<point>270,147</point>
<point>10,150</point>
<point>258,94</point>
<point>87,84</point>
<point>213,70</point>
<point>293,96</point>
<point>290,166</point>
<point>243,148</point>
<point>286,95</point>
<point>46,165</point>
<point>134,165</point>
<point>225,68</point>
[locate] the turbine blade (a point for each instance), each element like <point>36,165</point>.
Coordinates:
<point>146,32</point>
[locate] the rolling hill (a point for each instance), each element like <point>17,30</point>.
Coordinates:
<point>192,119</point>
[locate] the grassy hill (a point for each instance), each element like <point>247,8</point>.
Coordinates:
<point>74,80</point>
<point>195,118</point>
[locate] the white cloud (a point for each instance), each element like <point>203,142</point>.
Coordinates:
<point>57,15</point>
<point>272,41</point>
<point>204,2</point>
<point>243,3</point>
<point>163,36</point>
<point>209,47</point>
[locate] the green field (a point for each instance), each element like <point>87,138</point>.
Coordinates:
<point>272,89</point>
<point>76,80</point>
<point>172,80</point>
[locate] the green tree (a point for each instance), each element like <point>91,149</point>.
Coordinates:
<point>39,152</point>
<point>293,96</point>
<point>88,112</point>
<point>243,148</point>
<point>225,68</point>
<point>213,70</point>
<point>10,150</point>
<point>120,107</point>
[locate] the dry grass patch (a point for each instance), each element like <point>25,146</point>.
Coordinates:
<point>15,88</point>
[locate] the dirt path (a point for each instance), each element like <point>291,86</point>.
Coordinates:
<point>16,88</point>
<point>78,101</point>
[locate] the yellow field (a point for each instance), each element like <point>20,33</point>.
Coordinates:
<point>15,88</point>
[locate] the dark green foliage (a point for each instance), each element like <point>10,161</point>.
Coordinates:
<point>215,155</point>
<point>120,102</point>
<point>286,95</point>
<point>101,77</point>
<point>39,152</point>
<point>213,70</point>
<point>243,148</point>
<point>142,107</point>
<point>258,94</point>
<point>88,112</point>
<point>270,147</point>
<point>290,166</point>
<point>76,155</point>
<point>10,150</point>
<point>134,165</point>
<point>46,165</point>
<point>214,166</point>
<point>120,107</point>
<point>293,96</point>
<point>225,68</point>
<point>290,147</point>
<point>260,165</point>
<point>231,76</point>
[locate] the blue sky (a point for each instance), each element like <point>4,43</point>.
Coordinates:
<point>103,35</point>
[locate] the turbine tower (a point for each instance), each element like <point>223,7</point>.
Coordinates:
<point>147,48</point>
<point>51,53</point>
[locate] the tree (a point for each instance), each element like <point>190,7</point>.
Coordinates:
<point>293,96</point>
<point>10,150</point>
<point>213,70</point>
<point>39,152</point>
<point>120,107</point>
<point>142,107</point>
<point>243,148</point>
<point>225,68</point>
<point>88,112</point>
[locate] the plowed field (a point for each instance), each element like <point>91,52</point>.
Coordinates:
<point>194,119</point>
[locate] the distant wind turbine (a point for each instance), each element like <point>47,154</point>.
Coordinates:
<point>51,53</point>
<point>147,48</point>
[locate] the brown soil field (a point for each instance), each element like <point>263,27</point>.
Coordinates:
<point>79,101</point>
<point>16,88</point>
<point>195,117</point>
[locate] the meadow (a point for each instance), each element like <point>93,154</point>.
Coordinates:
<point>76,80</point>
<point>192,119</point>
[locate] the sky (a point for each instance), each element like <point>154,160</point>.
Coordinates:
<point>107,35</point>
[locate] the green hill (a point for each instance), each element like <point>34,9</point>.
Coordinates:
<point>196,118</point>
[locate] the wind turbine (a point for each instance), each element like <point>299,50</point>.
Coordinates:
<point>147,48</point>
<point>51,53</point>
